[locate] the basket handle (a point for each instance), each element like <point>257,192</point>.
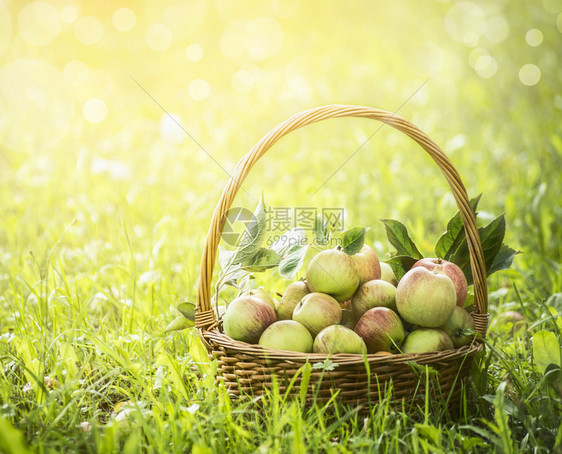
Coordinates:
<point>205,316</point>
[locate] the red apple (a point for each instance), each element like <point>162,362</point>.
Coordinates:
<point>380,328</point>
<point>262,294</point>
<point>448,269</point>
<point>246,318</point>
<point>316,311</point>
<point>371,294</point>
<point>333,272</point>
<point>425,298</point>
<point>368,264</point>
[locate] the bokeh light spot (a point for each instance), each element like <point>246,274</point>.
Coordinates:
<point>88,30</point>
<point>263,38</point>
<point>285,8</point>
<point>75,72</point>
<point>465,22</point>
<point>194,52</point>
<point>497,29</point>
<point>534,37</point>
<point>243,81</point>
<point>5,29</point>
<point>124,19</point>
<point>199,89</point>
<point>232,44</point>
<point>171,128</point>
<point>35,94</point>
<point>428,59</point>
<point>68,14</point>
<point>158,37</point>
<point>95,110</point>
<point>529,74</point>
<point>475,54</point>
<point>39,23</point>
<point>486,66</point>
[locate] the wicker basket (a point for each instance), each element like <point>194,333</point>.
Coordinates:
<point>247,369</point>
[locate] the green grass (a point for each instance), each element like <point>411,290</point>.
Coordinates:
<point>101,230</point>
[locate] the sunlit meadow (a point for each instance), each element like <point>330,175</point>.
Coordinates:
<point>120,124</point>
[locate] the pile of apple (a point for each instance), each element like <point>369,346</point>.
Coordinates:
<point>353,303</point>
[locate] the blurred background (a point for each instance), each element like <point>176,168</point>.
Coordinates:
<point>121,122</point>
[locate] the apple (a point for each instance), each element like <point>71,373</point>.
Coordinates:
<point>368,264</point>
<point>287,335</point>
<point>448,269</point>
<point>246,318</point>
<point>387,274</point>
<point>380,328</point>
<point>425,298</point>
<point>459,322</point>
<point>514,319</point>
<point>371,294</point>
<point>333,272</point>
<point>316,311</point>
<point>291,297</point>
<point>425,340</point>
<point>338,339</point>
<point>262,294</point>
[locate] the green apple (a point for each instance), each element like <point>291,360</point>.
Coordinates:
<point>316,311</point>
<point>291,297</point>
<point>262,294</point>
<point>380,328</point>
<point>287,335</point>
<point>457,326</point>
<point>448,269</point>
<point>334,273</point>
<point>425,298</point>
<point>368,264</point>
<point>246,318</point>
<point>387,274</point>
<point>338,339</point>
<point>371,294</point>
<point>425,340</point>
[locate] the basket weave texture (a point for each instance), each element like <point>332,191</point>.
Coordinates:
<point>247,369</point>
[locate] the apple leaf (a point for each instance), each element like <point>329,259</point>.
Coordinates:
<point>491,238</point>
<point>398,236</point>
<point>232,275</point>
<point>187,310</point>
<point>401,264</point>
<point>449,241</point>
<point>289,239</point>
<point>321,234</point>
<point>252,238</point>
<point>353,240</point>
<point>546,350</point>
<point>503,259</point>
<point>293,260</point>
<point>178,324</point>
<point>263,260</point>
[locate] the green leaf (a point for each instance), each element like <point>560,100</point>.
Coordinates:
<point>187,310</point>
<point>353,240</point>
<point>401,264</point>
<point>289,239</point>
<point>263,260</point>
<point>398,236</point>
<point>232,276</point>
<point>546,350</point>
<point>292,262</point>
<point>491,238</point>
<point>178,324</point>
<point>449,241</point>
<point>252,238</point>
<point>11,439</point>
<point>321,234</point>
<point>503,259</point>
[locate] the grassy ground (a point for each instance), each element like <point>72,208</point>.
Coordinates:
<point>102,224</point>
